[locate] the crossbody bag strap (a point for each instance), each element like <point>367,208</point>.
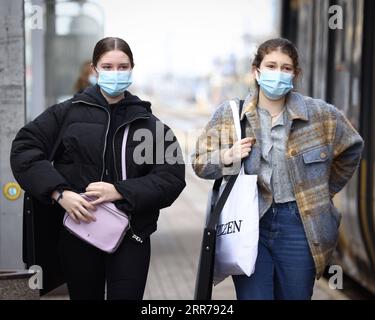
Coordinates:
<point>133,236</point>
<point>123,152</point>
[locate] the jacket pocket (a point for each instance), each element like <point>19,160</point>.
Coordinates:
<point>316,165</point>
<point>319,154</point>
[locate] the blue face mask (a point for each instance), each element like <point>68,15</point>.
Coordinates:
<point>114,83</point>
<point>275,84</point>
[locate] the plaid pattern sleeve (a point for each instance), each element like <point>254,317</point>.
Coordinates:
<point>347,150</point>
<point>217,137</point>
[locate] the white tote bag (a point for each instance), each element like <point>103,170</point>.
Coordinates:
<point>238,227</point>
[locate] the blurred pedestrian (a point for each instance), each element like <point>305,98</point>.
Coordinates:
<point>303,151</point>
<point>86,78</point>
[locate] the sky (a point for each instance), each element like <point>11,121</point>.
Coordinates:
<point>183,37</point>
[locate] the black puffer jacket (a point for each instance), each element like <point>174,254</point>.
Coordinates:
<point>81,157</point>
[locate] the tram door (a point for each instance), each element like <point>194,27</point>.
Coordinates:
<point>353,89</point>
<point>344,69</point>
<point>367,182</point>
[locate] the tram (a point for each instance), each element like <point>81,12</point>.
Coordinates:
<point>336,42</point>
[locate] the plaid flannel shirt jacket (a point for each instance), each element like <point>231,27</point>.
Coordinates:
<point>322,153</point>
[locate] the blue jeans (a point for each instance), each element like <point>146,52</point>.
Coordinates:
<point>284,268</point>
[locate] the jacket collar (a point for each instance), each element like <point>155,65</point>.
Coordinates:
<point>130,108</point>
<point>295,105</point>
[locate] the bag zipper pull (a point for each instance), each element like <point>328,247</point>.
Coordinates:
<point>133,235</point>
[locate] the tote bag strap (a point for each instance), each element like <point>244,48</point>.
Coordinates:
<point>123,152</point>
<point>236,119</point>
<point>217,207</point>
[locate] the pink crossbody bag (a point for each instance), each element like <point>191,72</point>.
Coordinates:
<point>111,225</point>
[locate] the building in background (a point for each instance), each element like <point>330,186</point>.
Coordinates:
<point>57,47</point>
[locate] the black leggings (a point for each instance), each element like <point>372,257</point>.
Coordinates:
<point>87,269</point>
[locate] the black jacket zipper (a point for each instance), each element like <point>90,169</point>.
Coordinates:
<point>106,133</point>
<point>134,236</point>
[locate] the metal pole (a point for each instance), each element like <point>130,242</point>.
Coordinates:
<point>12,118</point>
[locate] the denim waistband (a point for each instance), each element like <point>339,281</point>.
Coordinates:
<point>290,205</point>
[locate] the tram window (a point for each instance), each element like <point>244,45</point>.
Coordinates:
<point>320,50</point>
<point>347,61</point>
<point>305,36</point>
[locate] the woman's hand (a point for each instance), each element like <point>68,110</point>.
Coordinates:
<point>76,206</point>
<point>103,191</point>
<point>239,150</point>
